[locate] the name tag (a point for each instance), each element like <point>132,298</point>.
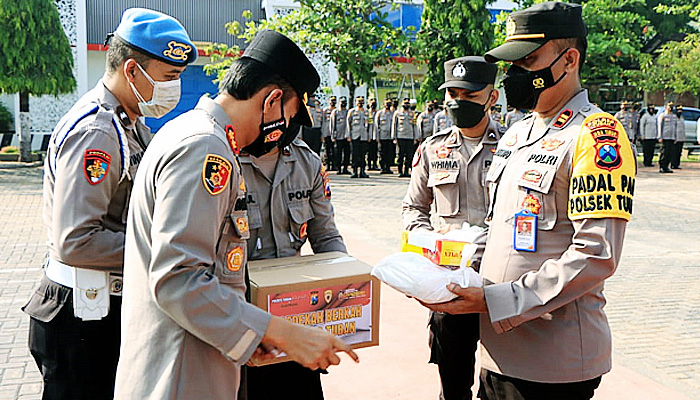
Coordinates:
<point>525,231</point>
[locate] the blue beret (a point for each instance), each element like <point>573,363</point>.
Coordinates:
<point>158,35</point>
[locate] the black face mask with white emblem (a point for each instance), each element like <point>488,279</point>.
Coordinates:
<point>272,134</point>
<point>523,87</point>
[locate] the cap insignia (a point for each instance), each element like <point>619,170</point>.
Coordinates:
<point>510,27</point>
<point>459,71</point>
<point>177,51</point>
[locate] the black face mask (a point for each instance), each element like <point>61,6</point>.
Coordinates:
<point>343,104</point>
<point>465,113</point>
<point>272,134</point>
<point>651,111</point>
<point>523,87</point>
<point>332,103</point>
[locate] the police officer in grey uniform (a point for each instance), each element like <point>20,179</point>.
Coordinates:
<point>425,122</point>
<point>89,169</point>
<point>680,138</point>
<point>186,327</point>
<point>667,123</point>
<point>554,236</point>
<point>648,134</point>
<point>359,133</point>
<point>312,134</point>
<point>513,116</point>
<point>403,132</point>
<point>328,141</point>
<point>442,120</point>
<point>449,169</point>
<point>294,184</point>
<point>339,122</point>
<point>628,118</point>
<point>382,125</point>
<point>373,148</point>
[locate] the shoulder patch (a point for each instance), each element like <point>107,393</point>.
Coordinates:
<point>216,172</point>
<point>416,156</point>
<point>563,118</point>
<point>326,182</point>
<point>603,171</point>
<point>96,165</point>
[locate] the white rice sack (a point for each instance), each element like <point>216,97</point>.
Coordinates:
<point>416,276</point>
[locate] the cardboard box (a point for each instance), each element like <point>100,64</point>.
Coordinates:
<point>434,247</point>
<point>332,291</point>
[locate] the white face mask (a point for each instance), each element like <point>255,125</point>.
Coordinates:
<point>166,95</point>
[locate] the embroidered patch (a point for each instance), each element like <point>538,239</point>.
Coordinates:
<point>177,51</point>
<point>603,171</point>
<point>459,71</point>
<point>326,182</point>
<point>416,157</point>
<point>231,137</point>
<point>532,175</point>
<point>511,141</point>
<point>302,231</point>
<point>242,225</point>
<point>273,136</point>
<point>493,150</point>
<point>551,144</point>
<point>532,204</point>
<point>563,118</point>
<point>241,185</point>
<point>216,173</point>
<point>443,152</point>
<point>441,175</point>
<point>96,165</point>
<point>234,259</point>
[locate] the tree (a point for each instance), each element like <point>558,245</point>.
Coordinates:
<point>37,58</point>
<point>465,30</point>
<point>353,34</point>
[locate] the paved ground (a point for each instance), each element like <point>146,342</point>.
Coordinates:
<point>654,298</point>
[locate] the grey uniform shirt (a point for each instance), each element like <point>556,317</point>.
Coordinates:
<point>680,129</point>
<point>316,116</point>
<point>647,126</point>
<point>339,123</point>
<point>382,122</point>
<point>447,173</point>
<point>88,176</point>
<point>545,320</point>
<point>186,327</point>
<point>629,121</point>
<point>442,121</point>
<point>403,126</point>
<point>667,126</point>
<point>357,124</point>
<point>326,121</point>
<point>290,206</point>
<point>425,123</point>
<point>513,116</point>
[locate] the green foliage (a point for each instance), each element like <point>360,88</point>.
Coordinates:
<point>675,68</point>
<point>450,29</point>
<point>354,35</point>
<point>6,119</point>
<point>36,56</point>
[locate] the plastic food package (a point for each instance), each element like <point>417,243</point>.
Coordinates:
<point>416,276</point>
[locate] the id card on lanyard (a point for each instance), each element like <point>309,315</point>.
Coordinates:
<point>525,230</point>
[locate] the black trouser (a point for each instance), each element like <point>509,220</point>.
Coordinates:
<point>342,154</point>
<point>312,137</point>
<point>77,359</point>
<point>500,387</point>
<point>359,152</point>
<point>405,155</point>
<point>666,153</point>
<point>648,146</point>
<point>6,140</point>
<point>287,380</point>
<point>330,153</point>
<point>387,156</point>
<point>453,341</point>
<point>677,153</point>
<point>372,153</point>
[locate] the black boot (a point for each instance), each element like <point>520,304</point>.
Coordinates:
<point>363,174</point>
<point>354,175</point>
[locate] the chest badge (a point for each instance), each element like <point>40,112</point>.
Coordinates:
<point>551,144</point>
<point>234,259</point>
<point>443,152</point>
<point>302,231</point>
<point>532,204</point>
<point>242,225</point>
<point>533,176</point>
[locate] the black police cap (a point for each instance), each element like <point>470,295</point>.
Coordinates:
<point>285,58</point>
<point>527,30</point>
<point>471,73</point>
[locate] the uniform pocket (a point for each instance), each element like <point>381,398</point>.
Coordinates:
<point>446,192</point>
<point>300,214</point>
<point>233,251</point>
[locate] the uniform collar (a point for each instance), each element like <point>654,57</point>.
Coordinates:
<point>214,110</point>
<point>578,103</point>
<point>491,136</point>
<point>110,102</point>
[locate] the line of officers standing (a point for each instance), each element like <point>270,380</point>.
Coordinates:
<point>650,127</point>
<point>366,134</point>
